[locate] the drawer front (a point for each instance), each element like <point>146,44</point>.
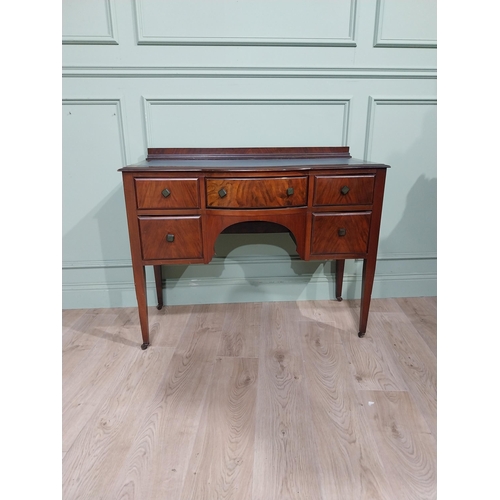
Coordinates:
<point>343,190</point>
<point>167,193</point>
<point>257,193</point>
<point>340,233</point>
<point>171,237</point>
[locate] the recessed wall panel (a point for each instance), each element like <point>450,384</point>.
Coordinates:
<point>88,21</point>
<point>268,22</point>
<point>406,23</point>
<point>94,226</point>
<point>251,123</point>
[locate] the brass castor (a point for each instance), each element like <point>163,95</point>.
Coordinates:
<point>145,346</point>
<point>361,335</point>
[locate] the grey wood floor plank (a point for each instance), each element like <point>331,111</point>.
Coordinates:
<point>89,379</point>
<point>415,361</point>
<point>221,465</point>
<point>348,461</point>
<point>372,366</point>
<point>341,315</point>
<point>241,331</point>
<point>101,447</point>
<point>158,459</point>
<point>69,316</point>
<point>405,443</point>
<point>285,463</point>
<point>264,401</point>
<point>422,312</point>
<point>167,325</point>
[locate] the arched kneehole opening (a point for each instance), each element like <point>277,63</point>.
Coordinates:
<point>262,232</point>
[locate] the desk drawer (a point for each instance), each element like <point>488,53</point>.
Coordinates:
<point>343,190</point>
<point>340,233</point>
<point>171,237</point>
<point>167,193</point>
<point>257,193</point>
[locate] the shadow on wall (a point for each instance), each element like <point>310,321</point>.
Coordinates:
<point>415,233</point>
<point>416,230</point>
<point>96,250</point>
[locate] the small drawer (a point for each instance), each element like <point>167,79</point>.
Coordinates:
<point>171,237</point>
<point>167,193</point>
<point>340,233</point>
<point>343,190</point>
<point>257,193</point>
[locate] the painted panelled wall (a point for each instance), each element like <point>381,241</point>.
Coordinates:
<point>180,73</point>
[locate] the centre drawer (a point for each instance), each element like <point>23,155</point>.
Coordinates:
<point>269,192</point>
<point>171,237</point>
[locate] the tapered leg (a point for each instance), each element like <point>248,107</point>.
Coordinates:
<point>159,290</point>
<point>366,292</point>
<point>339,278</point>
<point>142,302</point>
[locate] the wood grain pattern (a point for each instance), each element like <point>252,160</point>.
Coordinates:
<point>241,331</point>
<point>221,466</point>
<point>340,315</point>
<point>406,446</point>
<point>415,361</point>
<point>285,464</point>
<point>328,190</point>
<point>158,459</point>
<point>182,193</point>
<point>89,379</point>
<point>257,193</point>
<point>76,334</point>
<point>186,237</point>
<point>167,325</point>
<point>372,366</point>
<point>349,464</point>
<point>281,414</point>
<point>422,313</point>
<point>103,443</point>
<point>327,237</point>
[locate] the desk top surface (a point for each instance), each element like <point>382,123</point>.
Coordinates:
<point>242,159</point>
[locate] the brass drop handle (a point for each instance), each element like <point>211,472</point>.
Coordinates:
<point>170,238</point>
<point>342,231</point>
<point>222,193</point>
<point>166,193</point>
<point>345,190</point>
<point>289,191</point>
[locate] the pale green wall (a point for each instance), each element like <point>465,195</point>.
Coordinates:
<point>144,73</point>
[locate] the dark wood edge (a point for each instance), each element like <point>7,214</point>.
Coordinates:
<point>246,153</point>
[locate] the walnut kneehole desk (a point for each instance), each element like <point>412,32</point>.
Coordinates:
<point>179,200</point>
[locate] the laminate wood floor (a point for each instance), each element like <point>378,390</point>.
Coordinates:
<point>261,401</point>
